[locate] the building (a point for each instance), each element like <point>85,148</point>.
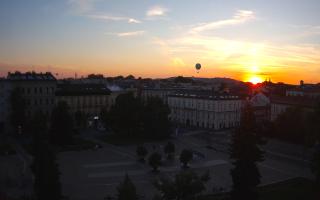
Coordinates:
<point>5,89</point>
<point>89,99</point>
<point>205,110</point>
<point>38,90</point>
<point>162,93</point>
<point>261,107</point>
<point>279,104</point>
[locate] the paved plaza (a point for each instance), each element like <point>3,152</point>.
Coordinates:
<point>95,174</point>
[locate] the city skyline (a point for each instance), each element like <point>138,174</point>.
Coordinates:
<point>244,40</point>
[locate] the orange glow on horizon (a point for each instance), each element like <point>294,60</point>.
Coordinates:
<point>255,79</point>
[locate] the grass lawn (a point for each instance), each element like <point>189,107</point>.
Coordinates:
<point>293,189</point>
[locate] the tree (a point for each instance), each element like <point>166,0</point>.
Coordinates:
<point>245,153</point>
<point>156,122</point>
<point>79,119</point>
<point>155,161</point>
<point>125,115</point>
<point>130,77</point>
<point>142,152</point>
<point>127,190</point>
<point>291,125</point>
<point>169,149</point>
<point>61,124</point>
<point>46,174</point>
<point>37,125</point>
<point>18,110</point>
<point>315,164</point>
<point>186,157</point>
<point>187,185</point>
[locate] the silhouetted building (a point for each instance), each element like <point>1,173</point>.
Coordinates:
<point>279,104</point>
<point>5,89</point>
<point>38,90</point>
<point>89,99</point>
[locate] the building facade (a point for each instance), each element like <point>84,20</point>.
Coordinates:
<point>5,90</point>
<point>88,99</point>
<point>205,111</point>
<point>279,104</point>
<point>37,89</point>
<point>162,93</point>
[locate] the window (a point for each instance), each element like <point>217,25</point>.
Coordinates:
<point>35,90</point>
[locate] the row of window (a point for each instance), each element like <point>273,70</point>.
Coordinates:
<point>219,125</point>
<point>37,90</point>
<point>39,101</point>
<point>205,105</point>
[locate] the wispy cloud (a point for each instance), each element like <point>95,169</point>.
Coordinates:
<point>240,17</point>
<point>238,56</point>
<point>157,11</point>
<point>115,18</point>
<point>81,6</point>
<point>128,34</point>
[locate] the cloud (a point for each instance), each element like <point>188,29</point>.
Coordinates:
<point>128,34</point>
<point>178,62</point>
<point>239,55</point>
<point>157,11</point>
<point>114,18</point>
<point>240,17</point>
<point>81,6</point>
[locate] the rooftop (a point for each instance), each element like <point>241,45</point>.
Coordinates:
<point>82,89</point>
<point>30,76</point>
<point>295,101</point>
<point>205,94</point>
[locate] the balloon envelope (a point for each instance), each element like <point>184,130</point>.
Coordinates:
<point>198,66</point>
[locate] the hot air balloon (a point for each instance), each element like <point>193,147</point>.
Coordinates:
<point>198,67</point>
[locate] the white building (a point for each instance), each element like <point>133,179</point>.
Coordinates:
<point>205,111</point>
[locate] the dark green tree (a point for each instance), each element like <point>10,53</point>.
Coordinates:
<point>61,124</point>
<point>46,173</point>
<point>125,115</point>
<point>246,153</point>
<point>127,190</point>
<point>38,128</point>
<point>187,185</point>
<point>18,111</point>
<point>315,136</point>
<point>315,165</point>
<point>185,157</point>
<point>169,150</point>
<point>156,122</point>
<point>80,119</point>
<point>142,152</point>
<point>155,161</point>
<point>291,125</point>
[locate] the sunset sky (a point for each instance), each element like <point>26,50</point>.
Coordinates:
<point>249,40</point>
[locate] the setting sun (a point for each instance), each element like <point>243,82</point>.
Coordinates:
<point>255,80</point>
